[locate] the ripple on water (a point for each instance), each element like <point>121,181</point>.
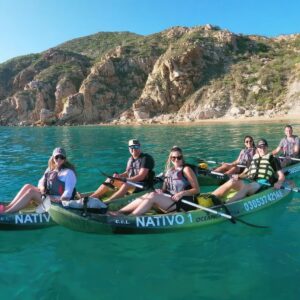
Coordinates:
<point>224,261</point>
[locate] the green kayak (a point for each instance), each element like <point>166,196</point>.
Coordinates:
<point>151,223</point>
<point>208,177</point>
<point>25,219</point>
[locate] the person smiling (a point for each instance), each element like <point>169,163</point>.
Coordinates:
<point>264,166</point>
<point>243,159</point>
<point>180,182</point>
<point>139,169</point>
<point>289,146</point>
<point>58,182</point>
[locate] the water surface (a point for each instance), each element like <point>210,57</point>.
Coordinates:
<point>223,261</point>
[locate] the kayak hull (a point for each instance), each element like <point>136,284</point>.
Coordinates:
<point>107,224</point>
<point>205,178</point>
<point>24,220</point>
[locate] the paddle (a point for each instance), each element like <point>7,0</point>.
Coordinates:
<point>221,214</point>
<point>44,206</point>
<point>214,174</point>
<point>123,179</point>
<point>296,189</point>
<point>291,158</point>
<point>265,182</point>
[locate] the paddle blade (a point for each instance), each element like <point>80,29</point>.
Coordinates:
<point>44,206</point>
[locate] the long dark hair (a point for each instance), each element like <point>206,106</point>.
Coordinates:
<point>251,138</point>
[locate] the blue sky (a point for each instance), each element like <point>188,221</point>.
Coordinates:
<point>31,26</point>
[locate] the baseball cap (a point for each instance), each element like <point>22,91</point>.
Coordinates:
<point>262,142</point>
<point>134,142</point>
<point>59,151</point>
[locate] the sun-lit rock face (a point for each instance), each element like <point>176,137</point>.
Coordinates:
<point>180,74</point>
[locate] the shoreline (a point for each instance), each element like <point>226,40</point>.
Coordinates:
<point>285,119</point>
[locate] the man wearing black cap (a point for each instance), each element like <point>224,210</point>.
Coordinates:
<point>289,146</point>
<point>264,166</point>
<point>139,169</point>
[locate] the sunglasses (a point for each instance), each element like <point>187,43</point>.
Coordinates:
<point>134,147</point>
<point>248,141</point>
<point>59,157</point>
<point>261,146</point>
<point>176,157</point>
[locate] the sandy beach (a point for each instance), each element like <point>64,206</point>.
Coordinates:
<point>284,119</point>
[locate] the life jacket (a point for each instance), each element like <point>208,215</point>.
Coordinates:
<point>175,181</point>
<point>246,156</point>
<point>261,167</point>
<point>53,185</point>
<point>134,166</point>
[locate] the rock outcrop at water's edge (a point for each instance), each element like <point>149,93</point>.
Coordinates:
<point>180,74</point>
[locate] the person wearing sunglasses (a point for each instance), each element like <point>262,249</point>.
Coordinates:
<point>264,166</point>
<point>58,182</point>
<point>244,158</point>
<point>139,169</point>
<point>289,146</point>
<point>180,182</point>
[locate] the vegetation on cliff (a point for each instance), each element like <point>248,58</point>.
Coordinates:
<point>179,74</point>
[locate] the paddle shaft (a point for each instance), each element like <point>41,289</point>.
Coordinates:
<point>125,180</point>
<point>202,207</point>
<point>291,158</point>
<point>215,212</point>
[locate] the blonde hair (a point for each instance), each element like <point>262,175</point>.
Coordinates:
<point>168,162</point>
<point>65,165</point>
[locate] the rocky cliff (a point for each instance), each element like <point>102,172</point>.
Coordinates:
<point>180,74</point>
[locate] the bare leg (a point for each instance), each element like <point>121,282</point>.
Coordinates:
<point>134,204</point>
<point>224,188</point>
<point>223,168</point>
<point>247,190</point>
<point>23,201</point>
<point>161,201</point>
<point>119,193</point>
<point>21,193</point>
<point>102,189</point>
<point>233,170</point>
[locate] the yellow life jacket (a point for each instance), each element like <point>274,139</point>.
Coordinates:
<point>261,168</point>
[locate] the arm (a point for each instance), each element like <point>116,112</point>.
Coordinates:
<point>276,151</point>
<point>280,180</point>
<point>70,182</point>
<point>296,148</point>
<point>243,174</point>
<point>140,176</point>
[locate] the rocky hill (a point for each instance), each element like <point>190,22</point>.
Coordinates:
<point>180,74</point>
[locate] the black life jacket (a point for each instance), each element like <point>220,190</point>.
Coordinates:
<point>54,186</point>
<point>134,166</point>
<point>176,181</point>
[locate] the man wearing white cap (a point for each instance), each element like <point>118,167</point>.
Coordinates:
<point>139,169</point>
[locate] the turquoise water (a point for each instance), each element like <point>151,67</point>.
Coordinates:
<point>224,261</point>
